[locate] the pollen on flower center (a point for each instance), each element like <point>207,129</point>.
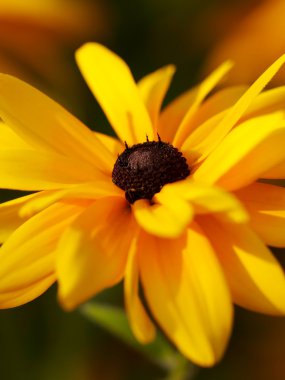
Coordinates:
<point>143,169</point>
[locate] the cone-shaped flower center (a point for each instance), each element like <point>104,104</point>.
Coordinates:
<point>143,169</point>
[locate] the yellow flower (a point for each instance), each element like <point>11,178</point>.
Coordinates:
<point>257,39</point>
<point>196,242</point>
<point>37,31</point>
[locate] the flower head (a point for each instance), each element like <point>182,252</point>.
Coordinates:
<point>174,203</point>
<point>37,31</point>
<point>254,41</point>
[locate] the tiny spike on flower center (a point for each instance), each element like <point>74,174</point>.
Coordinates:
<point>143,169</point>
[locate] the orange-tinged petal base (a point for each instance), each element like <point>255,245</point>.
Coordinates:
<point>92,252</point>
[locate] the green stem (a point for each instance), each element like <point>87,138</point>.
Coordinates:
<point>183,370</point>
<point>160,352</point>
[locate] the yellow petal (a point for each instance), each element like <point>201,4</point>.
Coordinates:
<point>236,112</point>
<point>207,118</point>
<point>27,293</point>
<point>166,219</point>
<point>91,191</point>
<point>187,294</point>
<point>24,169</point>
<point>92,253</point>
<point>266,206</point>
<point>275,172</point>
<point>202,91</point>
<point>205,200</point>
<point>153,88</point>
<point>140,322</point>
<point>218,102</point>
<point>268,101</point>
<point>111,81</point>
<point>256,279</point>
<point>246,153</point>
<point>46,125</point>
<point>9,139</point>
<point>172,115</point>
<point>10,217</point>
<point>27,257</point>
<point>194,146</point>
<point>112,144</point>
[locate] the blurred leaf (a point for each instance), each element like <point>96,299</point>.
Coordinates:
<point>114,320</point>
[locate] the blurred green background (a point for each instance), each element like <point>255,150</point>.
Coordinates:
<point>37,43</point>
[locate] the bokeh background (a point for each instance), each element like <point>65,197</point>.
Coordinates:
<point>37,42</point>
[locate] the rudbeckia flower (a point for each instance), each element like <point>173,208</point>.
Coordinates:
<point>255,40</point>
<point>37,31</point>
<point>175,204</point>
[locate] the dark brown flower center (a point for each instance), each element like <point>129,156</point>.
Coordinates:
<point>143,169</point>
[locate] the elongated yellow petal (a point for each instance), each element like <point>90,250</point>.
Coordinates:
<point>236,112</point>
<point>266,206</point>
<point>218,102</point>
<point>166,219</point>
<point>140,322</point>
<point>29,293</point>
<point>46,125</point>
<point>92,191</point>
<point>9,139</point>
<point>10,217</point>
<point>24,169</point>
<point>111,81</point>
<point>202,91</point>
<point>256,279</point>
<point>27,257</point>
<point>92,253</point>
<point>172,115</point>
<point>153,88</point>
<point>197,143</point>
<point>187,294</point>
<point>112,144</point>
<point>275,172</point>
<point>268,101</point>
<point>193,147</point>
<point>205,200</point>
<point>246,153</point>
<point>207,118</point>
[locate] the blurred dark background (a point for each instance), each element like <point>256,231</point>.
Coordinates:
<point>37,42</point>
